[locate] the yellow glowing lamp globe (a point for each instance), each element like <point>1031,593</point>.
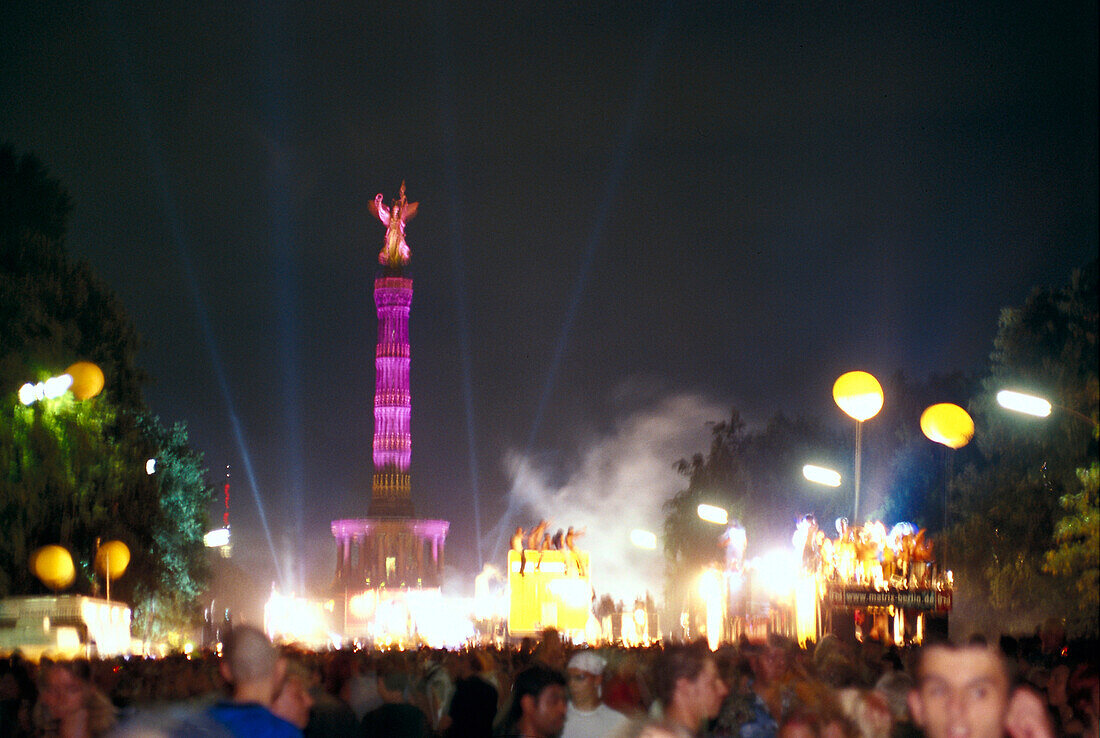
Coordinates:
<point>947,424</point>
<point>112,559</point>
<point>87,380</point>
<point>858,394</point>
<point>54,566</point>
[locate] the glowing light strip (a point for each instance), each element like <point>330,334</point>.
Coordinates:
<point>713,514</point>
<point>1021,403</point>
<point>821,475</point>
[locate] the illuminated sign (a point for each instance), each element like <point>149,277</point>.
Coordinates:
<point>906,599</point>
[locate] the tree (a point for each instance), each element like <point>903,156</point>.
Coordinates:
<point>717,479</point>
<point>757,478</point>
<point>74,472</point>
<point>1006,502</point>
<point>1076,554</point>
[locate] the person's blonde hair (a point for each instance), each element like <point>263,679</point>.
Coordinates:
<point>102,715</point>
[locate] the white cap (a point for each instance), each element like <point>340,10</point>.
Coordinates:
<point>588,661</point>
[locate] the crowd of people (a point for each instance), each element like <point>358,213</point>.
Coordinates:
<point>540,689</point>
<point>869,554</point>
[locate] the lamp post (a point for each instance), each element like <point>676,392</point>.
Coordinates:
<point>1040,407</point>
<point>859,395</point>
<point>111,560</point>
<point>1036,406</point>
<point>950,426</point>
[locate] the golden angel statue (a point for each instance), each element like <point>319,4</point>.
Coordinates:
<point>395,252</point>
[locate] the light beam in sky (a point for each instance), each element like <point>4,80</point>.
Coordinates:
<point>136,101</point>
<point>283,244</point>
<point>595,238</point>
<point>446,117</point>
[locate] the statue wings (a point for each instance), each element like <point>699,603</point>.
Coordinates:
<point>380,211</point>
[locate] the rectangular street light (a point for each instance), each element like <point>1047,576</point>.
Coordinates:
<point>821,475</point>
<point>643,539</point>
<point>713,514</point>
<point>1021,403</point>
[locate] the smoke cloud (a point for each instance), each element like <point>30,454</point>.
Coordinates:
<point>620,483</point>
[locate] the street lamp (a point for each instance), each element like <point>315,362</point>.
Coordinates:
<point>643,539</point>
<point>860,396</point>
<point>1021,403</point>
<point>947,424</point>
<point>111,560</point>
<point>821,475</point>
<point>1034,405</point>
<point>84,379</point>
<point>951,426</point>
<point>713,514</point>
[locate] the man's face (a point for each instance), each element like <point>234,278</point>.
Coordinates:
<point>707,691</point>
<point>773,664</point>
<point>546,712</point>
<point>962,693</point>
<point>584,688</point>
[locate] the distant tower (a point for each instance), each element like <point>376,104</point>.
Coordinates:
<point>390,550</point>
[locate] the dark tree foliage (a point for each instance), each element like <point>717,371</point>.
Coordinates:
<point>55,310</point>
<point>74,472</point>
<point>1029,491</point>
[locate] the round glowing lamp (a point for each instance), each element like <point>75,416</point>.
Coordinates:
<point>53,565</point>
<point>858,394</point>
<point>947,424</point>
<point>87,380</point>
<point>112,559</point>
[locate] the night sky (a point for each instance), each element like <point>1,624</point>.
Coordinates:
<point>633,217</point>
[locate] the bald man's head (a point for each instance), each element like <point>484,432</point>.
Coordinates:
<point>251,664</point>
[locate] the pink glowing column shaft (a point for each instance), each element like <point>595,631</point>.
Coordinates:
<point>392,401</point>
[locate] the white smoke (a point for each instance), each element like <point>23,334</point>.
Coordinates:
<point>620,483</point>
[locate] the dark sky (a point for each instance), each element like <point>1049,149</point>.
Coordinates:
<point>633,216</point>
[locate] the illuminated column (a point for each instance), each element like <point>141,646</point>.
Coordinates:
<point>392,404</point>
<point>341,558</point>
<point>361,562</point>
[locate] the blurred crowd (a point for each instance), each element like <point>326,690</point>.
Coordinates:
<point>1030,686</point>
